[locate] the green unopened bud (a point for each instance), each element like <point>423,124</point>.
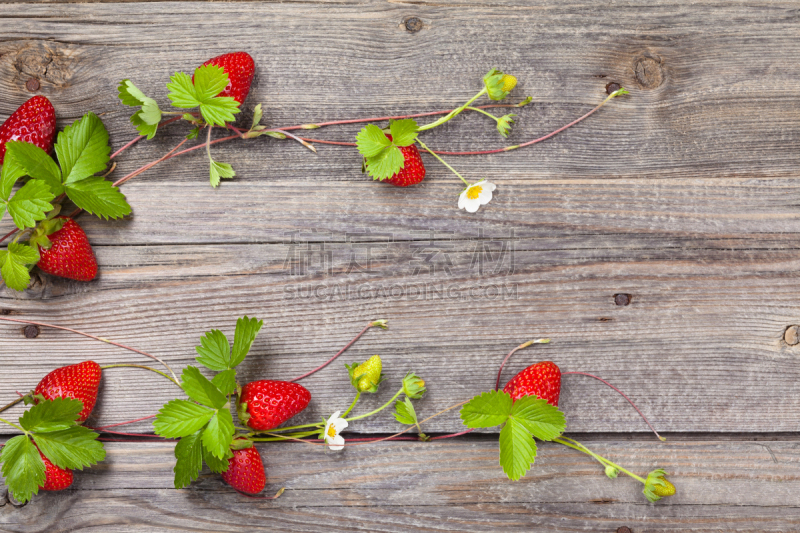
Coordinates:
<point>656,486</point>
<point>612,472</point>
<point>495,84</point>
<point>413,386</point>
<point>379,323</point>
<point>366,376</point>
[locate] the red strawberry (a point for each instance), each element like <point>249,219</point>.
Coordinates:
<point>79,382</point>
<point>413,170</point>
<point>33,122</point>
<point>70,255</point>
<point>267,404</point>
<point>239,67</point>
<point>55,478</point>
<point>542,380</point>
<point>245,471</point>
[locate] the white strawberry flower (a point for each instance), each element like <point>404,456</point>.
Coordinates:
<point>333,428</point>
<point>476,195</point>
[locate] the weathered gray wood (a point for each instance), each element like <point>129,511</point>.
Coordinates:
<point>440,486</point>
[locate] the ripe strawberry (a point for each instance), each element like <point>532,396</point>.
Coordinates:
<point>79,382</point>
<point>70,255</point>
<point>240,68</point>
<point>413,170</point>
<point>266,404</point>
<point>33,122</point>
<point>55,478</point>
<point>542,380</point>
<point>245,471</point>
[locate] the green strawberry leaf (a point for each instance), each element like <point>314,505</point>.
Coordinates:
<point>486,410</point>
<point>404,132</point>
<point>148,117</point>
<point>51,415</point>
<point>245,334</point>
<point>193,133</point>
<point>217,437</point>
<point>214,351</point>
<point>37,164</point>
<point>12,265</point>
<point>182,92</point>
<point>220,170</point>
<point>220,110</point>
<point>23,468</point>
<point>215,464</point>
<point>257,115</point>
<point>225,381</point>
<point>545,421</point>
<point>11,172</point>
<point>75,447</point>
<point>97,196</point>
<point>517,449</point>
<point>371,141</point>
<point>504,124</point>
<point>200,389</point>
<point>209,81</point>
<point>386,164</point>
<point>189,459</point>
<point>404,412</point>
<point>30,203</point>
<point>180,418</point>
<point>82,148</point>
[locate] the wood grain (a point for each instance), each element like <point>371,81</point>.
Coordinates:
<point>440,486</point>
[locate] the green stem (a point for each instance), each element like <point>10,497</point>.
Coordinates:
<point>13,425</point>
<point>358,395</point>
<point>442,161</point>
<point>452,113</point>
<point>381,408</point>
<point>575,445</point>
<point>12,404</point>
<point>123,365</point>
<point>484,112</point>
<point>277,438</point>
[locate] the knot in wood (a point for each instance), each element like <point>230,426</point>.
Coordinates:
<point>31,331</point>
<point>413,24</point>
<point>648,72</point>
<point>45,61</point>
<point>622,298</point>
<point>792,335</point>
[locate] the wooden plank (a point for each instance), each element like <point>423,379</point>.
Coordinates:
<point>441,486</point>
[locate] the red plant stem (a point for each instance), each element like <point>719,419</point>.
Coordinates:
<point>149,165</point>
<point>129,434</point>
<point>124,423</point>
<point>140,137</point>
<point>512,352</point>
<point>5,319</point>
<point>623,395</point>
<point>340,352</point>
<point>453,434</point>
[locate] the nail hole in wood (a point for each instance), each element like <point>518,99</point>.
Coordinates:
<point>5,311</point>
<point>413,24</point>
<point>792,335</point>
<point>31,331</point>
<point>622,298</point>
<point>605,319</point>
<point>32,85</point>
<point>613,86</point>
<point>624,529</point>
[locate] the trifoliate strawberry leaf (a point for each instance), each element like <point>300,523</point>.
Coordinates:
<point>545,421</point>
<point>220,170</point>
<point>386,164</point>
<point>12,265</point>
<point>517,449</point>
<point>71,448</point>
<point>504,124</point>
<point>23,468</point>
<point>217,437</point>
<point>189,460</point>
<point>51,415</point>
<point>371,141</point>
<point>225,381</point>
<point>209,81</point>
<point>404,412</point>
<point>246,331</point>
<point>12,171</point>
<point>37,164</point>
<point>487,410</point>
<point>215,464</point>
<point>82,148</point>
<point>30,203</point>
<point>220,110</point>
<point>98,196</point>
<point>149,115</point>
<point>214,351</point>
<point>404,132</point>
<point>179,418</point>
<point>182,92</point>
<point>200,389</point>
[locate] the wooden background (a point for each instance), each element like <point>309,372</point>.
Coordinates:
<point>683,194</point>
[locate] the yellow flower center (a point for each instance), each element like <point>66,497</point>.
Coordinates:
<point>332,431</point>
<point>474,191</point>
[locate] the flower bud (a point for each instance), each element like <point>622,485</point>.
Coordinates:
<point>413,386</point>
